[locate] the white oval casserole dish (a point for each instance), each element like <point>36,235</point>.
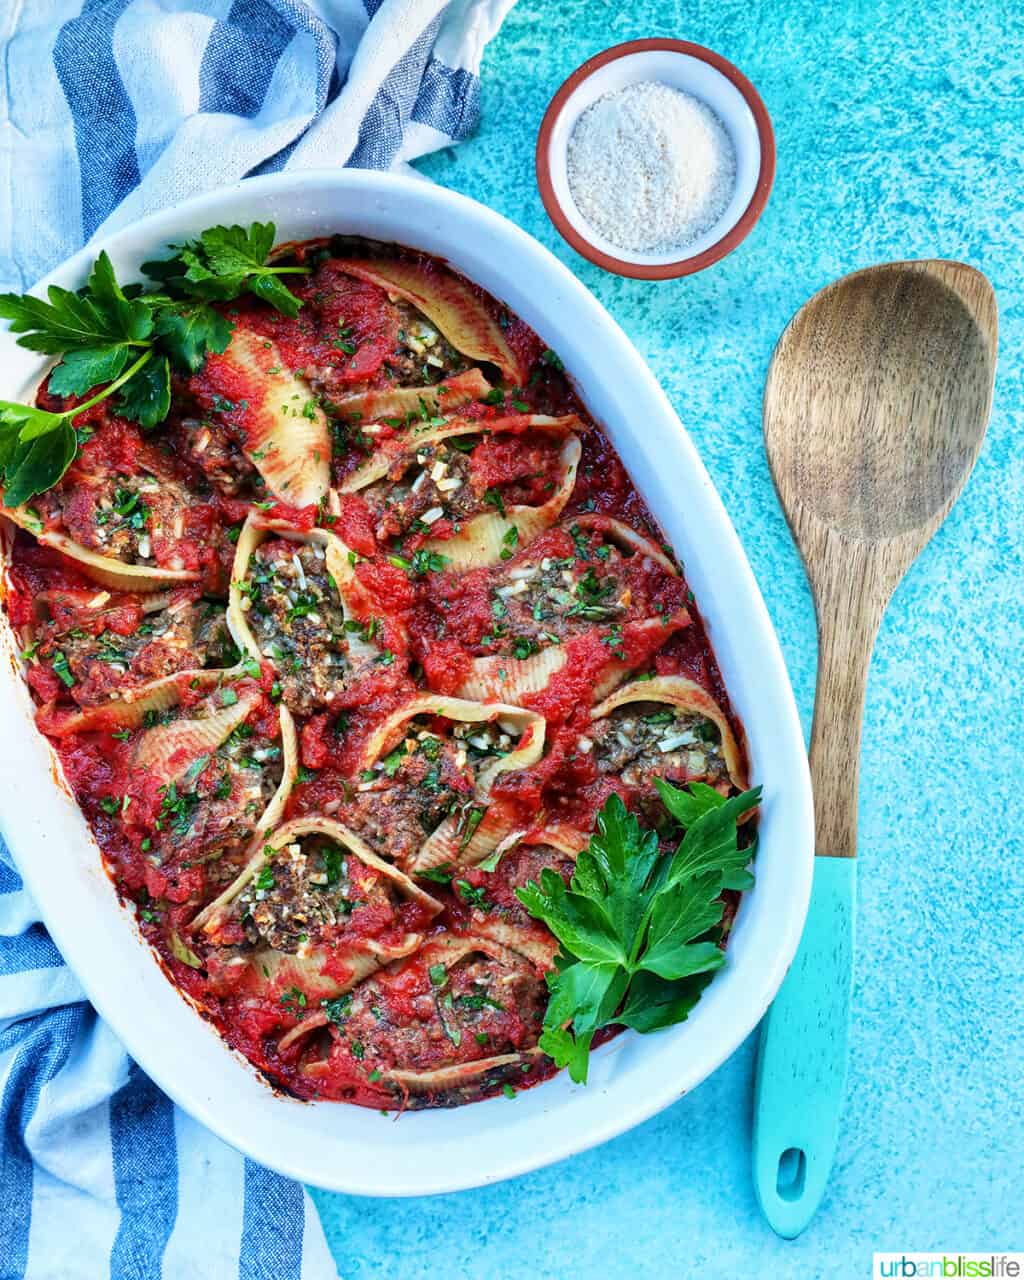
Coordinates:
<point>347,1148</point>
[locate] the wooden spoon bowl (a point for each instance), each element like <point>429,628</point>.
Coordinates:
<point>875,409</point>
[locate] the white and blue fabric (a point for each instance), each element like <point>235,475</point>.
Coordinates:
<point>110,109</point>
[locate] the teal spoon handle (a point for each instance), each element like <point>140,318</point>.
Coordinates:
<point>801,1067</point>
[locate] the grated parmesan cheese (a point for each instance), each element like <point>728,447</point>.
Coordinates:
<point>651,168</point>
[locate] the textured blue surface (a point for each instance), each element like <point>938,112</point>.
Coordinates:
<point>899,133</point>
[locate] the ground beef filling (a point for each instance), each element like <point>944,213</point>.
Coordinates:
<point>642,740</point>
<point>418,1018</point>
<point>296,616</point>
<point>135,518</point>
<point>495,891</point>
<point>423,488</point>
<point>307,890</point>
<point>412,789</point>
<point>422,356</point>
<point>96,664</point>
<point>547,602</point>
<point>432,490</point>
<point>216,449</point>
<point>211,814</point>
<point>409,793</point>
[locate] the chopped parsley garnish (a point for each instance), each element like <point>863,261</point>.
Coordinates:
<point>439,875</point>
<point>509,542</point>
<point>523,647</point>
<point>479,1001</point>
<point>304,605</point>
<point>61,670</point>
<point>614,642</point>
<point>438,975</point>
<point>393,762</point>
<point>424,562</point>
<point>580,541</point>
<point>471,819</point>
<point>334,863</point>
<point>471,894</point>
<point>177,808</point>
<point>338,1009</point>
<point>493,498</point>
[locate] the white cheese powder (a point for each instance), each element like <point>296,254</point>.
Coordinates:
<point>651,168</point>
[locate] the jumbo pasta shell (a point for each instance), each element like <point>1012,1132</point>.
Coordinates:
<point>511,678</point>
<point>166,751</point>
<point>105,570</point>
<point>287,438</point>
<point>536,945</point>
<point>448,843</point>
<point>271,816</point>
<point>340,567</point>
<point>399,402</point>
<point>446,951</point>
<point>485,538</point>
<point>211,918</point>
<point>325,969</point>
<point>686,694</point>
<point>627,538</point>
<point>379,463</point>
<point>448,302</point>
<point>444,1078</point>
<point>129,711</point>
<point>273,971</point>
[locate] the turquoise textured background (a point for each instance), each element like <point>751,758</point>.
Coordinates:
<point>899,129</point>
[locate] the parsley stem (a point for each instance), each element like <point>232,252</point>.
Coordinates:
<point>111,387</point>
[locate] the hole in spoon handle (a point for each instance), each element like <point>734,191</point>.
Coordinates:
<point>801,1069</point>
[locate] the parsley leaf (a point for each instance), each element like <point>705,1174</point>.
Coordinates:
<point>146,396</point>
<point>98,316</point>
<point>189,331</point>
<point>638,928</point>
<point>36,448</point>
<point>87,367</point>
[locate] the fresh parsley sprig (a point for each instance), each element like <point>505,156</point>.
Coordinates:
<point>224,262</point>
<point>125,340</point>
<point>638,928</point>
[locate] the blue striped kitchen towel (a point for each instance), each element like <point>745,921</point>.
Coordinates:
<point>112,109</point>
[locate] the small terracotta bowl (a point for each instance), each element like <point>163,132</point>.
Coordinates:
<point>680,65</point>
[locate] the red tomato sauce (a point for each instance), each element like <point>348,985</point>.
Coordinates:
<point>433,622</point>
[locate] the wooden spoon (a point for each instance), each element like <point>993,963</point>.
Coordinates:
<point>875,408</point>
